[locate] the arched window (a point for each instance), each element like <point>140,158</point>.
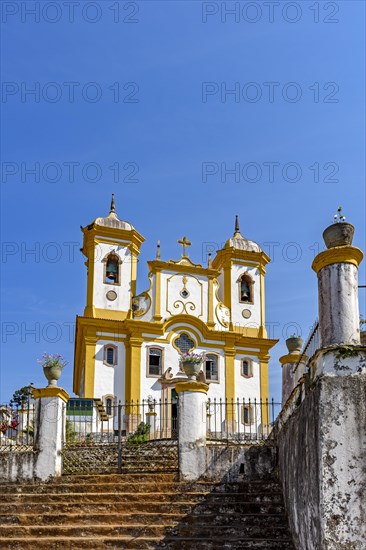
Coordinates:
<point>110,355</point>
<point>247,415</point>
<point>109,406</point>
<point>246,368</point>
<point>212,367</point>
<point>246,289</point>
<point>112,269</point>
<point>154,361</point>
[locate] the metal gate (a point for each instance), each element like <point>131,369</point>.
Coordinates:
<point>108,437</point>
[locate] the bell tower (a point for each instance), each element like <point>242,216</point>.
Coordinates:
<point>242,265</point>
<point>111,247</point>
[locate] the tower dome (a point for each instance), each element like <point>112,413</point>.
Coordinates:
<point>112,219</point>
<point>241,243</point>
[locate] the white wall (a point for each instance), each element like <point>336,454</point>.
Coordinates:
<point>247,388</point>
<point>109,380</point>
<point>150,385</point>
<point>238,307</point>
<point>172,302</point>
<point>122,303</point>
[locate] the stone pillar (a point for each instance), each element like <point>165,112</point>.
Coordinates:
<point>192,429</point>
<point>290,376</point>
<point>292,370</point>
<point>337,270</point>
<point>151,421</point>
<point>49,430</point>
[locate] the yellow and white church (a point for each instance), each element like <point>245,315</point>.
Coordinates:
<point>127,346</point>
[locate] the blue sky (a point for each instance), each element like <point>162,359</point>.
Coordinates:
<point>146,91</point>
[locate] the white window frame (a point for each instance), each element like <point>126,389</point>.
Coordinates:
<point>250,367</point>
<point>250,409</point>
<point>212,380</point>
<point>115,355</point>
<point>148,374</point>
<point>113,399</point>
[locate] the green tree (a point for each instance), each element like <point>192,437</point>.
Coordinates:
<point>21,396</point>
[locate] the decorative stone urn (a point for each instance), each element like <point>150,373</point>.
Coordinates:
<point>294,344</point>
<point>52,374</point>
<point>191,369</point>
<point>338,234</point>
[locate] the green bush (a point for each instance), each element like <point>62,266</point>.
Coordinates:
<point>141,435</point>
<point>70,433</point>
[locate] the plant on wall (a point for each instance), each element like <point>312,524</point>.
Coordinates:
<point>141,435</point>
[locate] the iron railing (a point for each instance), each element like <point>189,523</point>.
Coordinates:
<point>91,421</point>
<point>240,420</point>
<point>17,427</point>
<point>311,346</point>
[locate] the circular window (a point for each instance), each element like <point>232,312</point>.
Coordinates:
<point>111,295</point>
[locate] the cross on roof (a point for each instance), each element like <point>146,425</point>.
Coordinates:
<point>185,243</point>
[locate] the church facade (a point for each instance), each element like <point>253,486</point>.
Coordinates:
<point>127,345</point>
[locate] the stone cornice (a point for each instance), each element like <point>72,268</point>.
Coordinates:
<point>196,269</point>
<point>337,255</point>
<point>292,358</point>
<point>226,256</point>
<point>55,391</point>
<point>191,386</point>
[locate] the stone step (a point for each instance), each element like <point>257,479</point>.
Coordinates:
<point>141,530</point>
<point>114,478</point>
<point>146,518</point>
<point>139,460</point>
<point>125,456</point>
<point>107,498</point>
<point>149,468</point>
<point>102,470</point>
<point>193,508</point>
<point>143,543</point>
<point>110,448</point>
<point>232,543</point>
<point>139,487</point>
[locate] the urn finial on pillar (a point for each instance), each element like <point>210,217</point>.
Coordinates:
<point>337,271</point>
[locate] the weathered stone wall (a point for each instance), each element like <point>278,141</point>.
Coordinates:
<point>322,464</point>
<point>18,465</point>
<point>298,457</point>
<point>233,463</point>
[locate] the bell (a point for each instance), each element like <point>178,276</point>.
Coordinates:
<point>111,268</point>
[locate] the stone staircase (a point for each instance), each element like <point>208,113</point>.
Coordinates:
<point>142,511</point>
<point>153,456</point>
<point>160,456</point>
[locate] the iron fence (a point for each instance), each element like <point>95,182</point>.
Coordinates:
<point>240,420</point>
<point>106,436</point>
<point>90,421</point>
<point>17,427</point>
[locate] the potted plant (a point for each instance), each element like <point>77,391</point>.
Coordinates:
<point>294,344</point>
<point>191,363</point>
<point>340,233</point>
<point>52,367</point>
